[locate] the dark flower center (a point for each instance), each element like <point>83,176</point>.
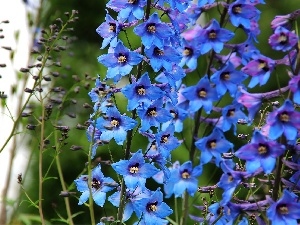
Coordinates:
<point>283,209</point>
<point>152,112</point>
<point>112,27</point>
<point>151,28</point>
<point>174,114</point>
<point>263,65</point>
<point>230,113</point>
<point>202,93</point>
<point>122,58</point>
<point>212,144</point>
<point>185,174</point>
<point>153,146</point>
<point>237,9</point>
<point>96,183</point>
<point>158,51</point>
<point>284,117</point>
<point>152,206</point>
<point>134,168</point>
<point>262,149</point>
<point>212,34</point>
<point>282,39</point>
<point>114,122</point>
<point>140,90</point>
<point>225,76</point>
<point>187,51</point>
<point>132,1</point>
<point>165,138</point>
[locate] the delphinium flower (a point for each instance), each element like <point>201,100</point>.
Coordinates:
<point>251,101</point>
<point>153,115</point>
<point>166,141</point>
<point>132,196</point>
<point>260,152</point>
<point>141,91</point>
<point>242,13</point>
<point>284,120</point>
<point>200,95</point>
<point>246,50</point>
<point>153,32</point>
<point>213,37</point>
<point>229,180</point>
<point>231,115</point>
<point>120,62</point>
<point>294,85</point>
<point>109,31</point>
<point>190,52</point>
<point>259,69</point>
<point>114,125</point>
<point>223,214</point>
<point>135,170</point>
<point>162,57</point>
<point>178,116</point>
<point>283,39</point>
<point>100,91</point>
<point>281,21</point>
<point>228,78</point>
<point>185,179</point>
<point>128,10</point>
<point>99,186</point>
<point>213,146</point>
<point>154,210</point>
<point>286,210</point>
<point>172,77</point>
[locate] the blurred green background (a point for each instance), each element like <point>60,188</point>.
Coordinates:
<point>81,60</point>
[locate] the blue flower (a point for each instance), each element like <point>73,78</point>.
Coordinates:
<point>213,37</point>
<point>99,186</point>
<point>109,31</point>
<point>162,57</point>
<point>286,210</point>
<point>260,152</point>
<point>185,179</point>
<point>141,91</point>
<point>228,79</point>
<point>200,95</point>
<point>153,32</point>
<point>114,125</point>
<point>231,114</point>
<point>213,146</point>
<point>153,115</point>
<point>242,12</point>
<point>154,209</point>
<point>120,62</point>
<point>191,52</point>
<point>130,10</point>
<point>135,170</point>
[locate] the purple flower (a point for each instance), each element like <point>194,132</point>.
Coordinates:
<point>259,69</point>
<point>284,120</point>
<point>283,39</point>
<point>286,210</point>
<point>260,152</point>
<point>282,20</point>
<point>294,84</point>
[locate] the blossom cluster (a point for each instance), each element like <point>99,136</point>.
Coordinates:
<point>153,78</point>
